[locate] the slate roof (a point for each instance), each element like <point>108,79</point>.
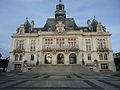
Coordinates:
<point>68,22</point>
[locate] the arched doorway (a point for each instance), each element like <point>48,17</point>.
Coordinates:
<point>73,58</point>
<point>48,59</point>
<point>60,59</point>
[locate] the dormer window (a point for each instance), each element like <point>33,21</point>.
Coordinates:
<point>21,29</point>
<point>49,28</point>
<point>21,32</point>
<point>85,30</point>
<point>71,27</point>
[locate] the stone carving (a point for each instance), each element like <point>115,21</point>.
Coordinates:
<point>60,27</point>
<point>99,27</point>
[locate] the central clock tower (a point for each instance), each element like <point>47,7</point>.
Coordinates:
<point>60,13</point>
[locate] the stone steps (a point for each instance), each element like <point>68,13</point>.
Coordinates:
<point>62,69</point>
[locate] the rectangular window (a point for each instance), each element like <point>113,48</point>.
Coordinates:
<point>49,41</point>
<point>20,44</point>
<point>89,56</point>
<point>101,56</point>
<point>88,45</point>
<point>17,44</point>
<point>60,42</point>
<point>33,45</point>
<point>104,66</point>
<point>32,57</point>
<point>101,43</point>
<point>105,56</point>
<point>21,57</point>
<point>17,67</point>
<point>16,57</point>
<point>72,42</point>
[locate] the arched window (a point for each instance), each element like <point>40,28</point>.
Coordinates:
<point>32,57</point>
<point>105,57</point>
<point>48,59</point>
<point>16,57</point>
<point>60,59</point>
<point>72,58</point>
<point>21,57</point>
<point>101,56</point>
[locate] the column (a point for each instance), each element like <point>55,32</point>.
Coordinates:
<point>54,59</point>
<point>42,58</point>
<point>79,58</point>
<point>66,59</point>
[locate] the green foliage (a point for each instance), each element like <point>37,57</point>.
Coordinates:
<point>117,75</point>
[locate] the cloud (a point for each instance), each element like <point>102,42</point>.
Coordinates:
<point>13,13</point>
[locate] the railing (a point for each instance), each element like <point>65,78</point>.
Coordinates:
<point>90,64</point>
<point>60,47</point>
<point>19,50</point>
<point>102,49</point>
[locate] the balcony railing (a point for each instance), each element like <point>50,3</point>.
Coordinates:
<point>102,49</point>
<point>60,47</point>
<point>19,50</point>
<point>90,64</point>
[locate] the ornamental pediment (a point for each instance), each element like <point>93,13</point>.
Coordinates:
<point>60,27</point>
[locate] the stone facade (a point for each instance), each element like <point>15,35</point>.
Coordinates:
<point>60,42</point>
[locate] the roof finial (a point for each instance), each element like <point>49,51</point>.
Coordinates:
<point>60,0</point>
<point>94,17</point>
<point>26,18</point>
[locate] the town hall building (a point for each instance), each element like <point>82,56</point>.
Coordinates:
<point>61,42</point>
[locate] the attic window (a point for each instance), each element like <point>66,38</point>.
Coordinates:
<point>20,31</point>
<point>85,29</point>
<point>49,27</point>
<point>71,27</point>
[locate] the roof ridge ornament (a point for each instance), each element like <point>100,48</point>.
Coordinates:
<point>94,17</point>
<point>60,0</point>
<point>26,18</point>
<point>60,27</point>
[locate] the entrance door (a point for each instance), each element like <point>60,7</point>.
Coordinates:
<point>72,58</point>
<point>60,59</point>
<point>48,59</point>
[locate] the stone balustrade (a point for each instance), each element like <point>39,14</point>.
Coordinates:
<point>60,47</point>
<point>19,50</point>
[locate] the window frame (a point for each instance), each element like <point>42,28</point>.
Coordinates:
<point>104,66</point>
<point>32,57</point>
<point>89,57</point>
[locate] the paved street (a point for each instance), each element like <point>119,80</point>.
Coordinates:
<point>71,81</point>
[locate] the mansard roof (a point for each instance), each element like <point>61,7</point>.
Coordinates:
<point>60,16</point>
<point>68,22</point>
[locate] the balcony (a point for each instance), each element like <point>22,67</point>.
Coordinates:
<point>102,49</point>
<point>90,64</point>
<point>19,50</point>
<point>60,47</point>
